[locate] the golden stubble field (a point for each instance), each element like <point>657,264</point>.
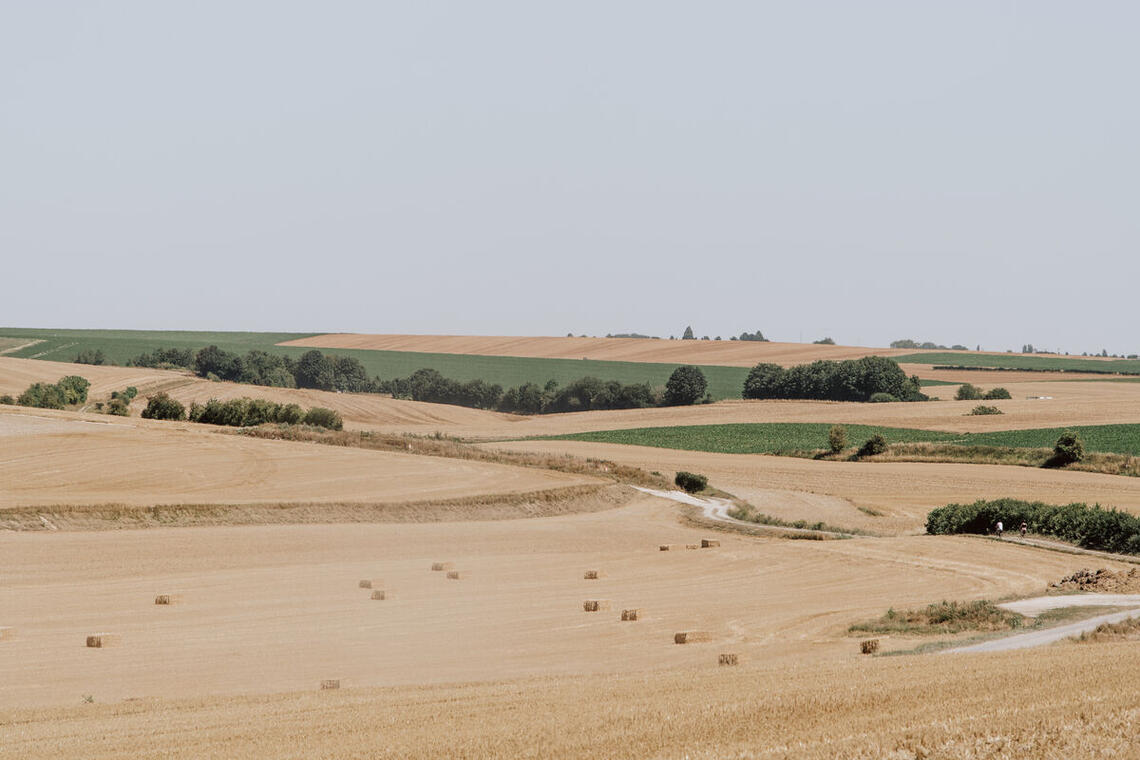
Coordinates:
<point>61,458</point>
<point>268,612</point>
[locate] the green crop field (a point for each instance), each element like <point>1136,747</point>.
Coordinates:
<point>775,437</point>
<point>1025,362</point>
<point>121,345</point>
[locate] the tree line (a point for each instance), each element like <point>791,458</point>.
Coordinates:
<point>240,412</point>
<point>871,378</point>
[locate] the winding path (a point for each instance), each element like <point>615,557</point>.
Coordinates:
<point>1041,604</point>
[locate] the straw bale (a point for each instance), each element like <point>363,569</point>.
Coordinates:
<point>690,637</point>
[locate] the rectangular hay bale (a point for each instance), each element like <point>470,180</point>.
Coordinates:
<point>440,566</point>
<point>692,546</point>
<point>729,658</point>
<point>665,547</point>
<point>870,646</point>
<point>594,605</point>
<point>593,575</point>
<point>379,594</point>
<point>456,575</point>
<point>371,583</point>
<point>691,637</point>
<point>167,599</point>
<point>709,543</point>
<point>330,683</point>
<point>103,640</point>
<point>7,632</point>
<point>631,614</point>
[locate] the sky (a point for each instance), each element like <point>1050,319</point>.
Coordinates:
<point>959,172</point>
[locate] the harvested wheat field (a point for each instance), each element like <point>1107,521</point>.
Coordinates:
<point>844,494</point>
<point>270,612</point>
<point>727,353</point>
<point>277,608</point>
<point>60,458</point>
<point>17,374</point>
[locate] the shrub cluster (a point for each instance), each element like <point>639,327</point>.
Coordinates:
<point>753,336</point>
<point>164,358</point>
<point>968,392</point>
<point>121,401</point>
<point>908,343</point>
<point>7,400</point>
<point>1089,527</point>
<point>312,369</point>
<point>88,356</point>
<point>160,406</point>
<point>873,446</point>
<point>851,380</point>
<point>1068,449</point>
<point>691,481</point>
<point>982,409</point>
<point>68,391</point>
<point>247,412</point>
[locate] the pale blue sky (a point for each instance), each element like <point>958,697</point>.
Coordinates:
<point>958,172</point>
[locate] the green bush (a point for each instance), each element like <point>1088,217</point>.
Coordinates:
<point>837,438</point>
<point>1068,449</point>
<point>118,407</point>
<point>89,356</point>
<point>326,418</point>
<point>74,388</point>
<point>691,482</point>
<point>968,392</point>
<point>981,409</point>
<point>43,396</point>
<point>996,394</point>
<point>686,386</point>
<point>1089,527</point>
<point>160,406</point>
<point>7,400</point>
<point>881,398</point>
<point>290,414</point>
<point>874,445</point>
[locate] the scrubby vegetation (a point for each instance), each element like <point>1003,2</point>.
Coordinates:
<point>90,356</point>
<point>908,343</point>
<point>968,392</point>
<point>691,481</point>
<point>1088,527</point>
<point>69,391</point>
<point>1068,449</point>
<point>161,406</point>
<point>7,400</point>
<point>941,619</point>
<point>982,409</point>
<point>851,380</point>
<point>873,446</point>
<point>247,412</point>
<point>120,402</point>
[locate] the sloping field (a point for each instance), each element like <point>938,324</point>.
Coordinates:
<point>359,410</point>
<point>60,459</point>
<point>119,345</point>
<point>728,353</point>
<point>17,374</point>
<point>276,608</point>
<point>902,492</point>
<point>983,708</point>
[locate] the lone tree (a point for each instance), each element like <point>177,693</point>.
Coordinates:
<point>688,335</point>
<point>1068,449</point>
<point>686,386</point>
<point>837,439</point>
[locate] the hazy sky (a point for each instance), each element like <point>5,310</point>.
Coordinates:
<point>957,172</point>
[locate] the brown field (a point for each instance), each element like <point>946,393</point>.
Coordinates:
<point>63,459</point>
<point>727,353</point>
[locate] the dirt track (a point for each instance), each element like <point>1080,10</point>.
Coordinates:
<point>804,489</point>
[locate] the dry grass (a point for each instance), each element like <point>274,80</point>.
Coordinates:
<point>1125,630</point>
<point>452,448</point>
<point>1105,463</point>
<point>942,618</point>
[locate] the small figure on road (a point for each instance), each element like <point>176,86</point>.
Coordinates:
<point>1000,529</point>
<point>1024,528</point>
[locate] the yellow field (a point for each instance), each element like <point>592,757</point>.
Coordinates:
<point>58,458</point>
<point>723,352</point>
<point>504,662</point>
